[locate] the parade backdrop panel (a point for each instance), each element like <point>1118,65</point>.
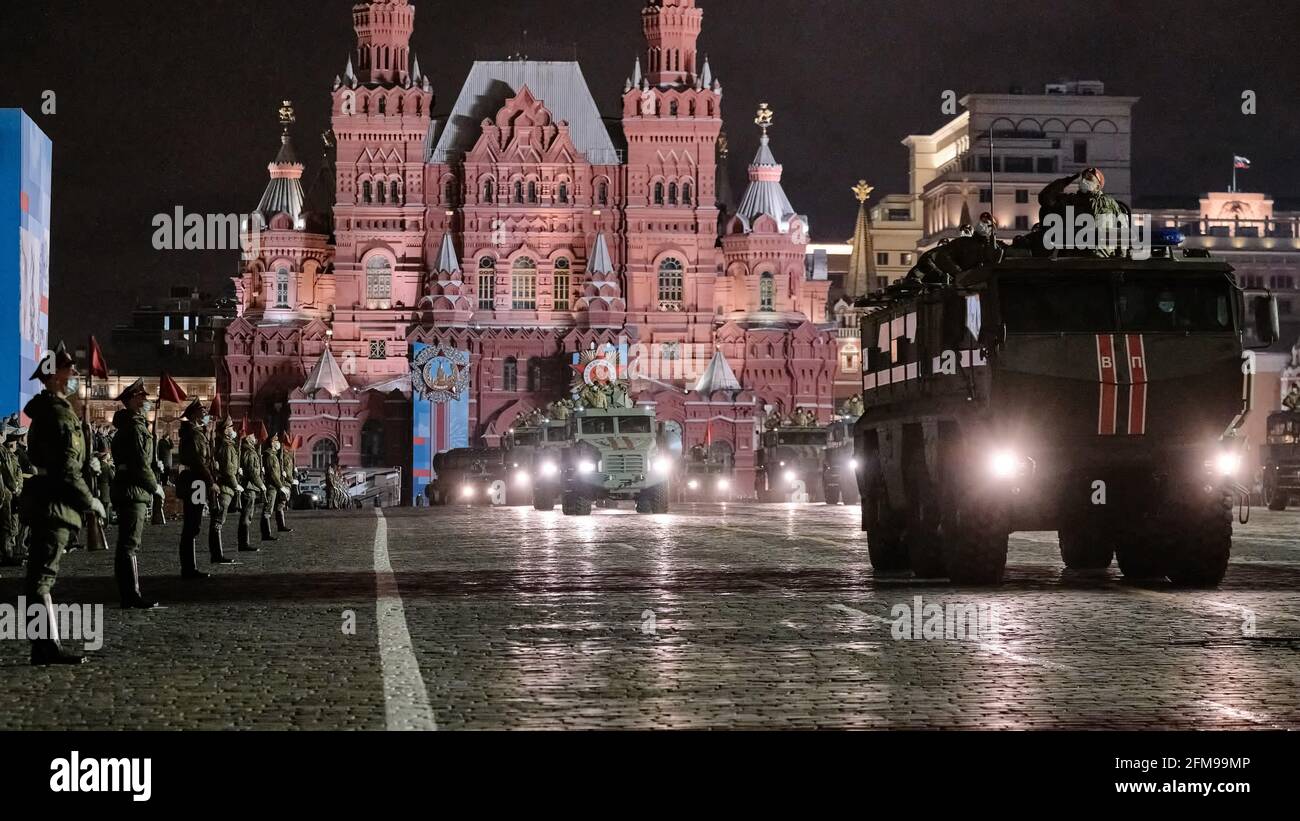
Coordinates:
<point>440,389</point>
<point>26,161</point>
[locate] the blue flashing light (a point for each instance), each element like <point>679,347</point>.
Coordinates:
<point>1167,236</point>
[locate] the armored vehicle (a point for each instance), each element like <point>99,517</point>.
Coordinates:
<point>535,454</point>
<point>790,460</point>
<point>705,476</point>
<point>616,454</point>
<point>840,463</point>
<point>1280,457</point>
<point>471,476</point>
<point>1100,398</point>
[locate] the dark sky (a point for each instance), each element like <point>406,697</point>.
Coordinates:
<point>166,103</point>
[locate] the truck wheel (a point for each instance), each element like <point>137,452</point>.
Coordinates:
<point>1203,541</point>
<point>543,500</point>
<point>1274,498</point>
<point>833,495</point>
<point>1084,547</point>
<point>924,544</point>
<point>575,504</point>
<point>974,536</point>
<point>885,534</point>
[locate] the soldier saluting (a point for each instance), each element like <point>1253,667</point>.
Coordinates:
<point>225,486</point>
<point>134,486</point>
<point>195,484</point>
<point>55,498</point>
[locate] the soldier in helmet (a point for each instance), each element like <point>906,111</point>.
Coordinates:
<point>273,479</point>
<point>250,472</point>
<point>11,488</point>
<point>944,262</point>
<point>56,497</point>
<point>225,486</point>
<point>196,483</point>
<point>134,486</point>
<point>1088,198</point>
<point>289,471</point>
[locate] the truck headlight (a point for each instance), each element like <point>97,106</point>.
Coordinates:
<point>467,491</point>
<point>1004,464</point>
<point>853,465</point>
<point>791,477</point>
<point>724,485</point>
<point>586,466</point>
<point>1227,463</point>
<point>549,469</point>
<point>693,484</point>
<point>663,465</point>
<point>522,478</point>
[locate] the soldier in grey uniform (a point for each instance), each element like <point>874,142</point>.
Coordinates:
<point>11,488</point>
<point>134,487</point>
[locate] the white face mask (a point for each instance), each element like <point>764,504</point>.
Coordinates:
<point>230,434</point>
<point>147,407</point>
<point>1088,185</point>
<point>74,385</point>
<point>983,229</point>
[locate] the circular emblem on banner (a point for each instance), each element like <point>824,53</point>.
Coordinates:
<point>440,374</point>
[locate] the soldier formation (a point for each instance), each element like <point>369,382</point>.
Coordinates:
<point>70,476</point>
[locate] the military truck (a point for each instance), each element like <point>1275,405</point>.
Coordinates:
<point>1280,457</point>
<point>535,454</point>
<point>469,476</point>
<point>1100,398</point>
<point>704,476</point>
<point>615,455</point>
<point>840,463</point>
<point>790,459</point>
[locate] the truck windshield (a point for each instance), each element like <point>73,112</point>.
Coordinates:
<point>634,424</point>
<point>1100,304</point>
<point>598,424</point>
<point>811,437</point>
<point>523,440</point>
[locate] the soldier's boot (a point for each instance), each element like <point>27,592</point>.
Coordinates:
<point>267,535</point>
<point>245,544</point>
<point>189,564</point>
<point>280,524</point>
<point>215,550</point>
<point>49,650</point>
<point>127,569</point>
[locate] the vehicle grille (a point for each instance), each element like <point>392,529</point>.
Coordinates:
<point>625,463</point>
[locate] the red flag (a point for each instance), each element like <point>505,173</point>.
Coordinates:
<point>168,390</point>
<point>216,408</point>
<point>262,433</point>
<point>98,365</point>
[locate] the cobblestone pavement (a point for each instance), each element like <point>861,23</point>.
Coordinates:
<point>711,617</point>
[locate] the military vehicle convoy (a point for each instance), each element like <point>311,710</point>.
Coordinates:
<point>1100,398</point>
<point>791,458</point>
<point>535,451</point>
<point>469,476</point>
<point>615,455</point>
<point>1280,457</point>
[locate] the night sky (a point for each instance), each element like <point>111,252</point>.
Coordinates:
<point>166,103</point>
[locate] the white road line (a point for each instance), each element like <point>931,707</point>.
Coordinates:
<point>406,702</point>
<point>1190,602</point>
<point>1244,715</point>
<point>844,608</point>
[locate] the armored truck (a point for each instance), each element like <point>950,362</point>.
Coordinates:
<point>840,464</point>
<point>1280,457</point>
<point>790,463</point>
<point>535,454</point>
<point>471,476</point>
<point>705,476</point>
<point>615,454</point>
<point>1100,398</point>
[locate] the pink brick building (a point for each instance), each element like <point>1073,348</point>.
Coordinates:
<point>523,227</point>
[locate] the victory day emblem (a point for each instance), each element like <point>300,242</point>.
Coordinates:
<point>440,374</point>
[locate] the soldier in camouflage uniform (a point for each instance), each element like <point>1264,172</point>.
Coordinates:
<point>134,487</point>
<point>196,483</point>
<point>225,486</point>
<point>273,478</point>
<point>289,472</point>
<point>56,497</point>
<point>1090,198</point>
<point>250,472</point>
<point>11,488</point>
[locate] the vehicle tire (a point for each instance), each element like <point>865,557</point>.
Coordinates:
<point>575,504</point>
<point>543,500</point>
<point>833,495</point>
<point>924,542</point>
<point>974,534</point>
<point>885,529</point>
<point>1274,498</point>
<point>1085,547</point>
<point>1203,542</point>
<point>1141,552</point>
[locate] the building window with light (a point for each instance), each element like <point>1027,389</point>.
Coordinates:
<point>766,292</point>
<point>523,285</point>
<point>282,288</point>
<point>487,284</point>
<point>670,284</point>
<point>379,279</point>
<point>562,284</point>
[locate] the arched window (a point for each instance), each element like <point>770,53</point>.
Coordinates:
<point>510,375</point>
<point>519,191</point>
<point>672,193</point>
<point>324,454</point>
<point>670,285</point>
<point>449,193</point>
<point>379,278</point>
<point>379,192</point>
<point>659,193</point>
<point>766,292</point>
<point>489,192</point>
<point>602,193</point>
<point>534,375</point>
<point>282,288</point>
<point>366,195</point>
<point>564,193</point>
<point>383,105</point>
<point>686,193</point>
<point>396,189</point>
<point>562,284</point>
<point>672,108</point>
<point>523,285</point>
<point>532,191</point>
<point>487,284</point>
